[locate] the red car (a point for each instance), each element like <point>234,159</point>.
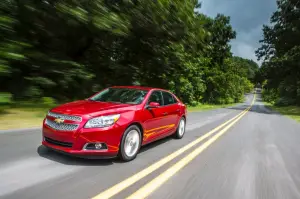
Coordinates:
<point>114,122</point>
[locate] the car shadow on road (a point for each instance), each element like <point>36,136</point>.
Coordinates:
<point>61,158</point>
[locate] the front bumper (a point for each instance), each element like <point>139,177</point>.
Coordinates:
<point>79,154</point>
<point>73,143</point>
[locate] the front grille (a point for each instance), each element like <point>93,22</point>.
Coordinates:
<point>61,127</point>
<point>59,143</point>
<point>65,117</point>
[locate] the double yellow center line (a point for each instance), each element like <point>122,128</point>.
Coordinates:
<point>147,189</point>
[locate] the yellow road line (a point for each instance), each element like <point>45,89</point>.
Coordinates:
<point>150,187</point>
<point>110,192</point>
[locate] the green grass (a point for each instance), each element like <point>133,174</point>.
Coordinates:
<point>290,111</point>
<point>204,107</point>
<point>22,115</point>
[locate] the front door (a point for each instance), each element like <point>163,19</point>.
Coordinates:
<point>156,122</point>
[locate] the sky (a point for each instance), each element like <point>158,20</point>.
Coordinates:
<point>247,19</point>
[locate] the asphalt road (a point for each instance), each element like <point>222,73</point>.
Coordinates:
<point>256,156</point>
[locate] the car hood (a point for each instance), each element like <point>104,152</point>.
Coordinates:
<point>86,107</point>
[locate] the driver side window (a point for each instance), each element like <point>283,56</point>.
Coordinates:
<point>156,96</point>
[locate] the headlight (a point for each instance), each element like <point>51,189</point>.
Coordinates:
<point>103,121</point>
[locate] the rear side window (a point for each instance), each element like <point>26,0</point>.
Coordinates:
<point>168,98</point>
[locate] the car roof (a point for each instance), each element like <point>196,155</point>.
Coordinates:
<point>140,87</point>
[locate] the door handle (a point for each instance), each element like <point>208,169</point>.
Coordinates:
<point>177,110</point>
<point>165,113</point>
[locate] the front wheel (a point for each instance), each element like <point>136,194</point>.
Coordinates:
<point>130,143</point>
<point>180,129</point>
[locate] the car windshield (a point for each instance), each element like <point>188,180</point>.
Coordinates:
<point>121,95</point>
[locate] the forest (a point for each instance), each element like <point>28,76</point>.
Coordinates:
<point>65,50</point>
<point>280,53</point>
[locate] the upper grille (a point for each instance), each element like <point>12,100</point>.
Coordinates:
<point>61,127</point>
<point>65,117</point>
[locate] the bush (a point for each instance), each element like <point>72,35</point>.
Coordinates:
<point>5,98</point>
<point>270,95</point>
<point>194,103</point>
<point>48,101</point>
<point>33,93</point>
<point>226,88</point>
<point>248,86</point>
<point>284,101</point>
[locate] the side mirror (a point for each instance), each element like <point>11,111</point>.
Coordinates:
<point>153,105</point>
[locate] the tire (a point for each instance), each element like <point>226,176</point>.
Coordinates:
<point>131,139</point>
<point>180,131</point>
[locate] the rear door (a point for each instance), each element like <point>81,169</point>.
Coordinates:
<point>172,110</point>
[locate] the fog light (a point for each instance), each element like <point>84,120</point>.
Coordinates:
<point>98,145</point>
<point>95,146</point>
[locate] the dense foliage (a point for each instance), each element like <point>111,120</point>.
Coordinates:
<point>69,49</point>
<point>280,51</point>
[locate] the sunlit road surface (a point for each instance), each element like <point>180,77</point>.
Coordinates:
<point>241,152</point>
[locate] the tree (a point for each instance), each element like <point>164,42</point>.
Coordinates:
<point>280,51</point>
<point>69,49</point>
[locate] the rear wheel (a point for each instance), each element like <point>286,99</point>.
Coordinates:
<point>180,129</point>
<point>130,143</point>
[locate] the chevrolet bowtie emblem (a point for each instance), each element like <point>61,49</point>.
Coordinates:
<point>59,121</point>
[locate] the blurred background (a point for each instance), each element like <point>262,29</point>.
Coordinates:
<point>57,51</point>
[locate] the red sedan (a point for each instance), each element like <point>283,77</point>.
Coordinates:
<point>114,122</point>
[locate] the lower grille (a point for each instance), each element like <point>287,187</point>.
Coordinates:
<point>59,143</point>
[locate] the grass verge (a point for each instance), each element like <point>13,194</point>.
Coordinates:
<point>21,117</point>
<point>204,107</point>
<point>290,111</point>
